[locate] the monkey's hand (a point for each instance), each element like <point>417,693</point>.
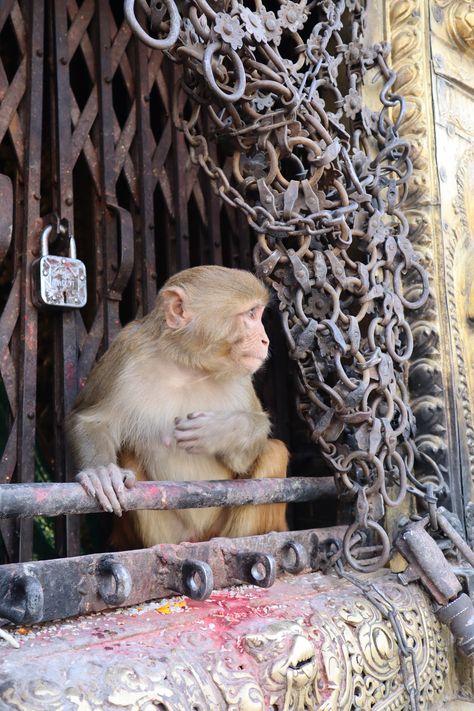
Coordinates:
<point>235,437</point>
<point>107,485</point>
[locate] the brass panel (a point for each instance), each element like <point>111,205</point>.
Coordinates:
<point>318,644</point>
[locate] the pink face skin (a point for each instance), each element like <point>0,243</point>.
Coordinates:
<point>252,348</point>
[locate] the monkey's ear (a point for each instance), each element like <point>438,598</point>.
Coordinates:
<point>176,312</point>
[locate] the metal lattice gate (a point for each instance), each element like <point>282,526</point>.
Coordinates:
<point>86,136</point>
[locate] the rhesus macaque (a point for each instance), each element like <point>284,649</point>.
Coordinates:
<point>172,399</point>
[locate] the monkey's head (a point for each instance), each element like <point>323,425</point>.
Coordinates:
<point>211,319</point>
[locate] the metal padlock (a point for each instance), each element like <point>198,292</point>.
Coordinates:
<point>58,281</point>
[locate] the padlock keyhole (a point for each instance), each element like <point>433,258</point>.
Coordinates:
<point>65,297</point>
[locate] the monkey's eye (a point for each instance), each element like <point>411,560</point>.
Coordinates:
<point>253,313</point>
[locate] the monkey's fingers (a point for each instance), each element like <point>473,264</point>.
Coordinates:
<point>129,478</point>
<point>195,415</point>
<point>193,425</point>
<point>103,492</point>
<point>83,479</point>
<point>117,483</point>
<point>185,434</point>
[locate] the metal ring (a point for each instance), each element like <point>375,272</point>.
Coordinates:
<point>209,76</point>
<point>369,566</point>
<point>109,569</point>
<point>389,340</point>
<point>175,25</point>
<point>400,464</point>
<point>397,285</point>
<point>296,550</point>
<point>22,598</point>
<point>198,581</point>
<point>263,578</point>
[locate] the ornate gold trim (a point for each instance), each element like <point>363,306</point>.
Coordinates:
<point>459,22</point>
<point>409,35</point>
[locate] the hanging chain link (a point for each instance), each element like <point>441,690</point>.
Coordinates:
<point>389,612</point>
<point>321,178</point>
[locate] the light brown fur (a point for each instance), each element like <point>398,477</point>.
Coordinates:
<point>173,399</point>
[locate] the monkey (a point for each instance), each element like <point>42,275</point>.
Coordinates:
<point>173,399</point>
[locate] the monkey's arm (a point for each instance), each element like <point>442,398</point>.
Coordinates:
<point>236,438</point>
<point>94,444</point>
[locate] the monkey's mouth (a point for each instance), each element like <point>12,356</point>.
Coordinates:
<point>254,357</point>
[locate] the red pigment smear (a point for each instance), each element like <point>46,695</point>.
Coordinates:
<point>225,609</point>
<point>151,491</point>
<point>41,495</point>
<point>70,371</point>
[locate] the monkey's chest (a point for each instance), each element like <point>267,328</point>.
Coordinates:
<point>160,402</point>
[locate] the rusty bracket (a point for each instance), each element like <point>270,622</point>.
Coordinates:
<point>427,563</point>
<point>56,589</point>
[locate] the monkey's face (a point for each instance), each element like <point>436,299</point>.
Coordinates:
<point>250,349</point>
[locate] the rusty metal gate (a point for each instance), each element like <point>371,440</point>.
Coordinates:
<point>86,137</point>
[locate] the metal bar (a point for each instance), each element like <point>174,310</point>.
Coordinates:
<point>180,166</point>
<point>214,206</point>
<point>107,169</point>
<point>25,500</point>
<point>54,589</point>
<point>146,262</point>
<point>458,541</point>
<point>66,351</point>
<point>28,315</point>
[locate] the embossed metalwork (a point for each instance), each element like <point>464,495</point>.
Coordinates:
<point>242,649</point>
<point>322,180</point>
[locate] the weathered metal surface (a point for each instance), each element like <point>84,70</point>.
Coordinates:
<point>23,500</point>
<point>31,37</point>
<point>108,171</point>
<point>459,615</point>
<point>54,589</point>
<point>318,644</point>
<point>427,563</point>
<point>6,216</point>
<point>321,179</point>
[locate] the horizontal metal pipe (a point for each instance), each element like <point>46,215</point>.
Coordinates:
<point>27,500</point>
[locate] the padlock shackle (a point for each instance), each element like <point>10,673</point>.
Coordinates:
<point>45,235</point>
<point>45,240</point>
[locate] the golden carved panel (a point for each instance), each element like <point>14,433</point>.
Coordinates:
<point>453,64</point>
<point>318,644</point>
